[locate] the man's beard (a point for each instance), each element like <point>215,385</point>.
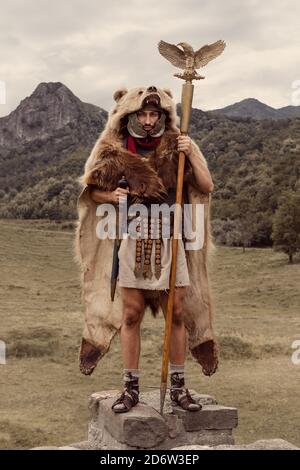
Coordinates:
<point>136,129</point>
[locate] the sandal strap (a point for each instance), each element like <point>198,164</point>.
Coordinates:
<point>128,398</point>
<point>183,398</point>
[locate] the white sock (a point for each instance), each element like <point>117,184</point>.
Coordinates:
<point>130,374</point>
<point>176,368</point>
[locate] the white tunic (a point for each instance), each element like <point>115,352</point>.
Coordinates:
<point>127,277</point>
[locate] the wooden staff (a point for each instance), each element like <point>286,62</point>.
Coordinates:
<point>186,105</point>
<point>188,60</point>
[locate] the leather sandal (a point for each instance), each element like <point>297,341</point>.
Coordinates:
<point>128,399</point>
<point>182,397</point>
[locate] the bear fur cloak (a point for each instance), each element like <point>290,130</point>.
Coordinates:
<point>108,161</point>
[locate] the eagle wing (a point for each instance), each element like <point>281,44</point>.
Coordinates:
<point>208,52</point>
<point>172,53</point>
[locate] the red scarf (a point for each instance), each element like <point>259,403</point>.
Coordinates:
<point>133,142</point>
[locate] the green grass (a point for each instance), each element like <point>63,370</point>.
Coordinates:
<point>43,395</point>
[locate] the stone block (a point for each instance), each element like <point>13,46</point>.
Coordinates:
<point>142,427</point>
<point>210,417</point>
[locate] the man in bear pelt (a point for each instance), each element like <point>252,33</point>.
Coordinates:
<point>141,143</point>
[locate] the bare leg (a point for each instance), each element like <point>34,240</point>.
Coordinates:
<point>133,312</point>
<point>179,394</point>
<point>178,333</point>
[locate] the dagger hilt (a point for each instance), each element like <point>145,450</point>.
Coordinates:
<point>123,183</point>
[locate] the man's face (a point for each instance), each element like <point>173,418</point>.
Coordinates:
<point>148,118</point>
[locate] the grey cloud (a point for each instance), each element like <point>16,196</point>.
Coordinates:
<point>95,47</point>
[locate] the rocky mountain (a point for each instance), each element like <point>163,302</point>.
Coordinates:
<point>44,144</point>
<point>255,109</point>
<point>53,116</point>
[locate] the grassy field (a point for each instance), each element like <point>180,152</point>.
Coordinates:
<point>44,397</point>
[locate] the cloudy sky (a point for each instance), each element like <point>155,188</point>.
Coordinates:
<point>95,49</point>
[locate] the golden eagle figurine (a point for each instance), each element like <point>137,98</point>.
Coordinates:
<point>188,59</point>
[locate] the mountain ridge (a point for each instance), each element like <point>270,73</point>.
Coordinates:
<point>255,109</point>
